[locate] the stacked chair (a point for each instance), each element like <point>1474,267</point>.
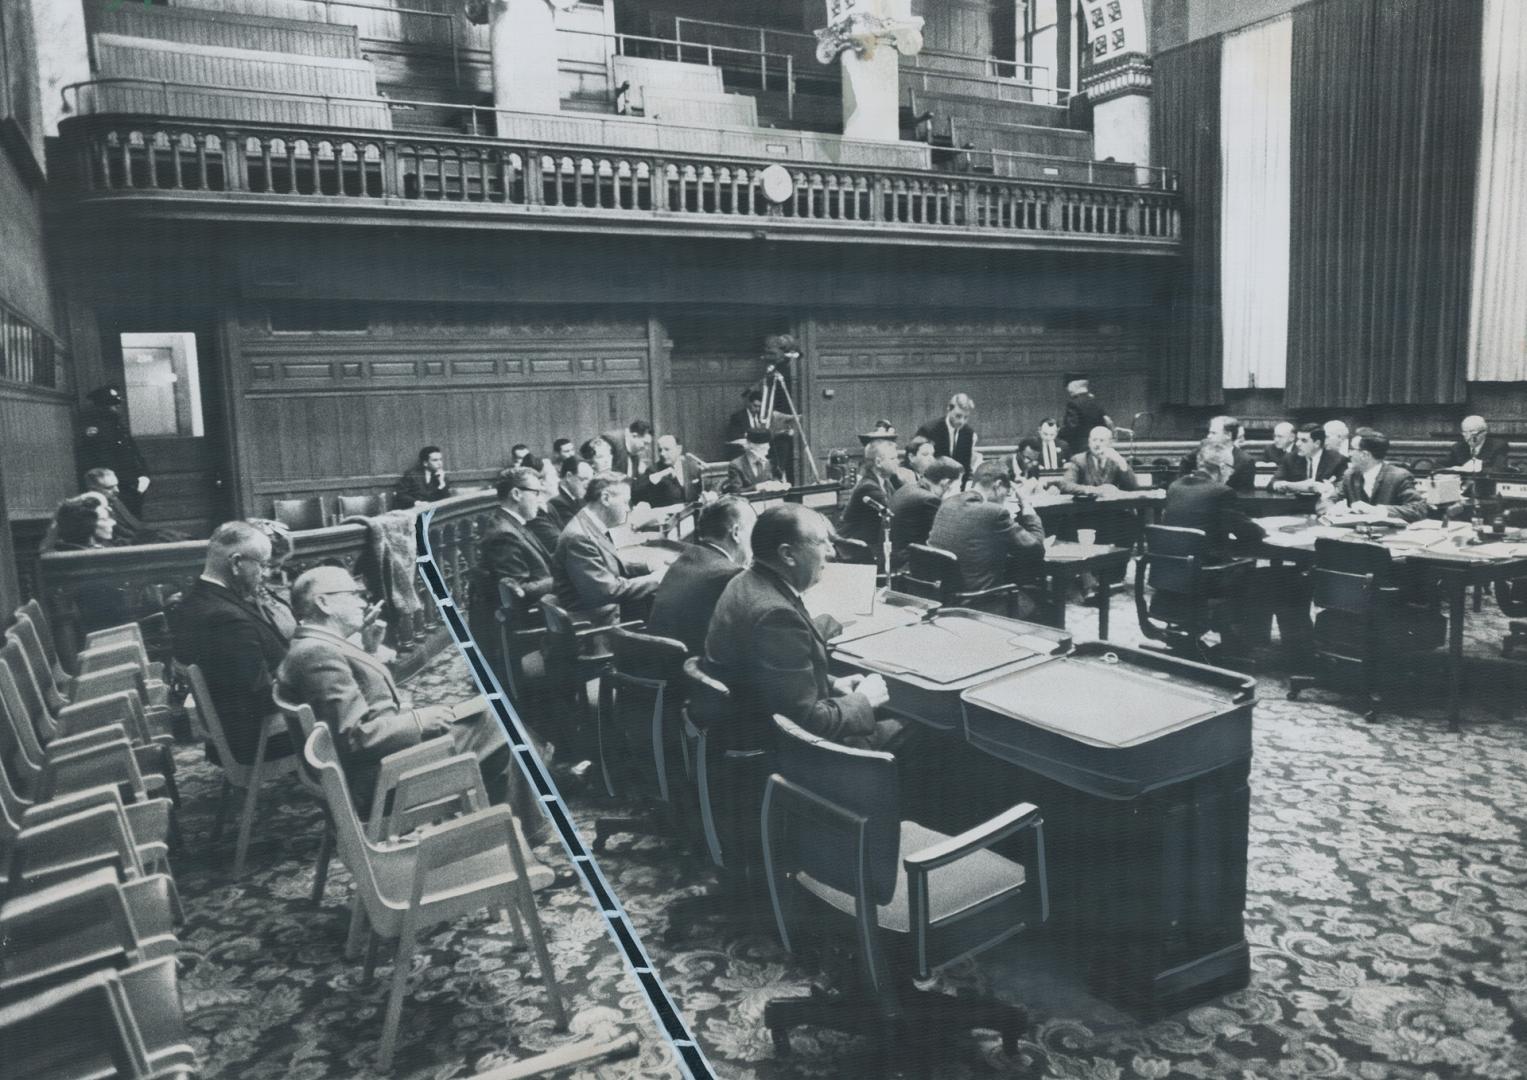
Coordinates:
<point>88,906</point>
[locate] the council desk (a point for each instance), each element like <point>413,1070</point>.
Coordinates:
<point>1138,763</point>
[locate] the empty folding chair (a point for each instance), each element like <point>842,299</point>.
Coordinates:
<point>149,994</point>
<point>101,1040</point>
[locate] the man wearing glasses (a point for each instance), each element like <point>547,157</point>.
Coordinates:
<point>510,553</point>
<point>354,693</point>
<point>220,626</point>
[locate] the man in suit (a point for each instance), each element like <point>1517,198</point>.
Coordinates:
<point>424,483</point>
<point>919,455</point>
<point>560,508</point>
<point>1083,414</point>
<point>951,435</point>
<point>978,528</point>
<point>588,571</point>
<point>676,480</point>
<point>1204,501</point>
<point>1282,443</point>
<point>1100,470</point>
<point>107,442</point>
<point>752,470</point>
<point>718,552</point>
<point>1373,482</point>
<point>509,552</point>
<point>1310,464</point>
<point>129,530</point>
<point>1243,474</point>
<point>862,516</point>
<point>914,506</point>
<point>1477,451</point>
<point>632,449</point>
<point>354,693</point>
<point>221,628</point>
<point>765,647</point>
<point>1054,451</point>
<point>599,452</point>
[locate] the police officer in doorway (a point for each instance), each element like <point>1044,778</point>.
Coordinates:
<point>105,442</point>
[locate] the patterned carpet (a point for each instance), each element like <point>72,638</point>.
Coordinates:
<point>1387,917</point>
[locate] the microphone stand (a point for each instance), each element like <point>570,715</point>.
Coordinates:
<point>774,383</point>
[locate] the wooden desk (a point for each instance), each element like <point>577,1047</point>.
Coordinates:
<point>1454,569</point>
<point>1066,562</point>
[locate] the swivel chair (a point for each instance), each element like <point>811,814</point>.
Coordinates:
<point>1188,589</point>
<point>928,565</point>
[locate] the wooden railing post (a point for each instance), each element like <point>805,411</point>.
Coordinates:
<point>234,171</point>
<point>392,171</point>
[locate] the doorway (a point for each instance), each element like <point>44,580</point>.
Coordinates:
<point>168,366</point>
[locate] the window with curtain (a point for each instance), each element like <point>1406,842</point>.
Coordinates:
<point>1254,199</point>
<point>1498,304</point>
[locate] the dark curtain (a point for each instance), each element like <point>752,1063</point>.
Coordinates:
<point>1385,140</point>
<point>1185,111</point>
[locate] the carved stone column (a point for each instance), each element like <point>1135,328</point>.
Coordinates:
<point>523,37</point>
<point>1120,92</point>
<point>869,35</point>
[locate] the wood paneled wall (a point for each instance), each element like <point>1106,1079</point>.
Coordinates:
<point>905,370</point>
<point>348,412</point>
<point>37,444</point>
<point>961,26</point>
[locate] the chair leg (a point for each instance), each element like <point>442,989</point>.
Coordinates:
<point>368,972</point>
<point>222,810</point>
<point>360,931</point>
<point>321,871</point>
<point>401,963</point>
<point>246,821</point>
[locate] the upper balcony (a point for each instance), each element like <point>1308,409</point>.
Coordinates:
<point>156,166</point>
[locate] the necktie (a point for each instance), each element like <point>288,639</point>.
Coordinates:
<point>1311,462</point>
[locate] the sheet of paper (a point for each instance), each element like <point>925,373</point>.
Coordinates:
<point>945,650</point>
<point>845,591</point>
<point>1500,550</point>
<point>465,710</point>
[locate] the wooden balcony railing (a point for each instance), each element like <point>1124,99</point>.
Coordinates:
<point>115,155</point>
<point>81,590</point>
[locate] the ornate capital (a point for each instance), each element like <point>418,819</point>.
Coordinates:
<point>864,32</point>
<point>1129,73</point>
<point>480,12</point>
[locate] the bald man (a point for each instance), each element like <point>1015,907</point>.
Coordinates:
<point>353,691</point>
<point>1478,450</point>
<point>1283,435</point>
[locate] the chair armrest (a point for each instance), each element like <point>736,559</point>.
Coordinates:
<point>584,630</point>
<point>116,679</point>
<point>69,845</point>
<point>158,890</point>
<point>461,838</point>
<point>114,635</point>
<point>112,654</point>
<point>107,763</point>
<point>122,709</point>
<point>105,735</point>
<point>977,837</point>
<point>438,783</point>
<point>1228,567</point>
<point>985,594</point>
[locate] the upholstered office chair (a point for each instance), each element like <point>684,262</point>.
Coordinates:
<point>1511,594</point>
<point>575,652</point>
<point>729,775</point>
<point>1187,590</point>
<point>1365,627</point>
<point>639,724</point>
<point>840,858</point>
<point>926,563</point>
<point>349,506</point>
<point>300,513</point>
<point>517,639</point>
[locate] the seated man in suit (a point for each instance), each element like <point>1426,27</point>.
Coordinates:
<point>220,626</point>
<point>1243,476</point>
<point>1204,501</point>
<point>560,508</point>
<point>765,647</point>
<point>598,452</point>
<point>951,434</point>
<point>919,455</point>
<point>1310,464</point>
<point>1282,444</point>
<point>630,449</point>
<point>1373,482</point>
<point>752,470</point>
<point>976,526</point>
<point>509,552</point>
<point>1477,451</point>
<point>1100,470</point>
<point>717,552</point>
<point>1054,451</point>
<point>675,480</point>
<point>355,694</point>
<point>588,571</point>
<point>871,495</point>
<point>914,506</point>
<point>424,483</point>
<point>1025,463</point>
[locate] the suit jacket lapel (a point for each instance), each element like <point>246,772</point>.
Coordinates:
<point>354,652</point>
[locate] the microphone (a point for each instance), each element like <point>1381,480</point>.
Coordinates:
<point>885,511</point>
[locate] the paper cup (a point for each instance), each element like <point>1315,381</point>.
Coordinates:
<point>1086,536</point>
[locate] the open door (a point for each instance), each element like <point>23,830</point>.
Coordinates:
<point>168,366</point>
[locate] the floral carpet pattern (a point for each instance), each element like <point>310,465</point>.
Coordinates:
<point>1386,914</point>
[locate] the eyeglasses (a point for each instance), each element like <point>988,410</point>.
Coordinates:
<point>261,563</point>
<point>362,593</point>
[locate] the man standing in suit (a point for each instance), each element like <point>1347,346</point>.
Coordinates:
<point>765,647</point>
<point>1373,482</point>
<point>1083,414</point>
<point>354,693</point>
<point>1478,450</point>
<point>1204,501</point>
<point>1054,451</point>
<point>1282,443</point>
<point>631,449</point>
<point>676,481</point>
<point>977,528</point>
<point>1101,470</point>
<point>560,508</point>
<point>952,436</point>
<point>914,506</point>
<point>752,470</point>
<point>718,552</point>
<point>221,628</point>
<point>1309,464</point>
<point>509,552</point>
<point>107,442</point>
<point>1243,474</point>
<point>588,571</point>
<point>424,483</point>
